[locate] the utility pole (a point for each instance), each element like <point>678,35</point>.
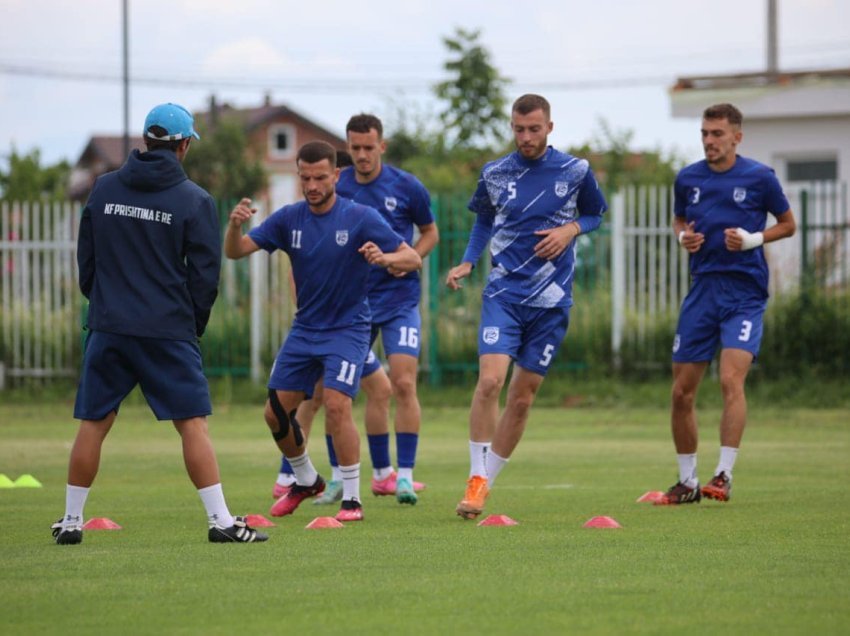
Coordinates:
<point>126,78</point>
<point>772,39</point>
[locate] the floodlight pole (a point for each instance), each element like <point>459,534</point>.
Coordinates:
<point>126,77</point>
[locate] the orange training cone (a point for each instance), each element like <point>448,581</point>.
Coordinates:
<point>258,521</point>
<point>650,497</point>
<point>602,522</point>
<point>323,522</point>
<point>101,523</point>
<point>497,520</point>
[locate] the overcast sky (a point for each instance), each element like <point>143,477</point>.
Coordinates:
<point>61,62</point>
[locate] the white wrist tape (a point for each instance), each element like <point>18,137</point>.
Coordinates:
<point>751,241</point>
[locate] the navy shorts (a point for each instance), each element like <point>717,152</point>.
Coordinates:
<point>399,334</point>
<point>169,372</point>
<point>719,310</point>
<point>529,335</point>
<point>336,356</point>
<point>371,365</point>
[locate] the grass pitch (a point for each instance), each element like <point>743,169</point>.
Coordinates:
<point>775,559</point>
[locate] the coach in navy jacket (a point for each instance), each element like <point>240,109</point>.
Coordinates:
<point>151,217</point>
<point>149,253</point>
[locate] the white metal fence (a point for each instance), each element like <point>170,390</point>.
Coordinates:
<point>39,298</point>
<point>40,305</point>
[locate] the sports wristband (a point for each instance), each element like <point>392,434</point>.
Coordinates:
<point>750,241</point>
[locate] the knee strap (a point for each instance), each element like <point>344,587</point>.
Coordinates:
<point>284,421</point>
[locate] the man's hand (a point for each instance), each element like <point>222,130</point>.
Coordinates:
<point>456,274</point>
<point>242,212</point>
<point>739,240</point>
<point>690,240</point>
<point>555,240</point>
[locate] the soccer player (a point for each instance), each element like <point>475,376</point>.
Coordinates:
<point>149,254</point>
<point>530,205</point>
<point>721,207</point>
<point>331,242</point>
<point>394,300</point>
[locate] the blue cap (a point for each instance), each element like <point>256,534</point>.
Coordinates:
<point>177,122</point>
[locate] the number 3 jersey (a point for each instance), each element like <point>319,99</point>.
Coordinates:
<point>523,196</point>
<point>714,201</point>
<point>330,274</point>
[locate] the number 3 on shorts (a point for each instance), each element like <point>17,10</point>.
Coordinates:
<point>746,328</point>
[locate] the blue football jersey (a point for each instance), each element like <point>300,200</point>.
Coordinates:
<point>404,203</point>
<point>330,274</point>
<point>523,196</point>
<point>740,197</point>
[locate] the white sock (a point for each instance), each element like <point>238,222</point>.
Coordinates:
<point>382,473</point>
<point>305,473</point>
<point>217,512</point>
<point>688,469</point>
<point>477,458</point>
<point>285,479</point>
<point>336,473</point>
<point>405,473</point>
<point>75,501</point>
<point>494,464</point>
<point>728,455</point>
<point>350,482</point>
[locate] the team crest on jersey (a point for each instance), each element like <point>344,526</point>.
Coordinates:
<point>739,194</point>
<point>694,196</point>
<point>490,335</point>
<point>390,203</point>
<point>341,237</point>
<point>561,188</point>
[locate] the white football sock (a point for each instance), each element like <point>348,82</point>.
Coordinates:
<point>350,482</point>
<point>688,469</point>
<point>305,473</point>
<point>477,458</point>
<point>285,479</point>
<point>728,455</point>
<point>382,473</point>
<point>75,501</point>
<point>405,473</point>
<point>217,512</point>
<point>336,473</point>
<point>494,464</point>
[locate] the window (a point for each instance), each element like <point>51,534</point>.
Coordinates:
<point>812,170</point>
<point>281,141</point>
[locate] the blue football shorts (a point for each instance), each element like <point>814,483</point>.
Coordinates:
<point>169,372</point>
<point>722,310</point>
<point>335,355</point>
<point>399,334</point>
<point>529,335</point>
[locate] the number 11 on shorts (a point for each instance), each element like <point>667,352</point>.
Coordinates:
<point>346,372</point>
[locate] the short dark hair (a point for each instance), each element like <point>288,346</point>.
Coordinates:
<point>530,102</point>
<point>724,111</point>
<point>343,159</point>
<point>159,144</point>
<point>316,151</point>
<point>363,123</point>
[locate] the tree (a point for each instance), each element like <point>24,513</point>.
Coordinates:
<point>475,111</point>
<point>617,163</point>
<point>221,164</point>
<point>27,180</point>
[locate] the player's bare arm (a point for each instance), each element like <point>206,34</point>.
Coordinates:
<point>688,238</point>
<point>738,240</point>
<point>556,240</point>
<point>404,259</point>
<point>237,245</point>
<point>456,274</point>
